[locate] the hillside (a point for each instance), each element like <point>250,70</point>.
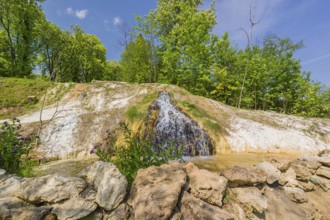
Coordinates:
<point>82,116</point>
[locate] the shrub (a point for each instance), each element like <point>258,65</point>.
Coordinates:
<point>141,152</point>
<point>12,146</point>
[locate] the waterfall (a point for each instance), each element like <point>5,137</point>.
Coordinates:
<point>176,126</point>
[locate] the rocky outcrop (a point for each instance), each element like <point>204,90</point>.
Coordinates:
<point>156,191</point>
<point>109,183</point>
<point>175,191</point>
<point>242,176</point>
<point>62,197</point>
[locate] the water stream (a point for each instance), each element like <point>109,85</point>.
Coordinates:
<point>176,126</point>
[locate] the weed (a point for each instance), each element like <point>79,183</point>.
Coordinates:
<point>140,152</point>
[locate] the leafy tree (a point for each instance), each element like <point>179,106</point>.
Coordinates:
<point>135,61</point>
<point>18,19</point>
<point>113,71</point>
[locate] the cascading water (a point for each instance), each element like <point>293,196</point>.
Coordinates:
<point>178,127</point>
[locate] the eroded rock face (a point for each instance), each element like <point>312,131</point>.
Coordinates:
<point>156,190</point>
<point>324,172</point>
<point>251,196</point>
<point>206,185</point>
<point>242,176</point>
<point>273,174</point>
<point>75,208</point>
<point>194,208</point>
<point>110,184</point>
<point>50,189</point>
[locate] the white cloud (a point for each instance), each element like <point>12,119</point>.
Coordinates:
<point>81,14</point>
<point>69,11</point>
<point>117,21</point>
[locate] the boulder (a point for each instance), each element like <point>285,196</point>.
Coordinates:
<point>9,185</point>
<point>156,190</point>
<point>194,208</point>
<point>235,210</point>
<point>324,159</point>
<point>323,171</point>
<point>50,189</point>
<point>322,182</point>
<point>281,207</point>
<point>301,172</point>
<point>122,212</point>
<point>242,176</point>
<point>12,207</point>
<point>311,165</point>
<point>251,196</point>
<point>74,208</point>
<point>289,175</point>
<point>206,185</point>
<point>295,194</point>
<point>273,174</point>
<point>109,183</point>
<point>324,152</point>
<point>35,213</point>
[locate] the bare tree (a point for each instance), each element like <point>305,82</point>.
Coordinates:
<point>249,45</point>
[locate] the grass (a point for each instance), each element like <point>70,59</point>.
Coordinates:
<point>140,111</point>
<point>193,109</point>
<point>14,95</point>
<point>212,125</point>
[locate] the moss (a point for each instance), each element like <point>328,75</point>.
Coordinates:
<point>212,125</point>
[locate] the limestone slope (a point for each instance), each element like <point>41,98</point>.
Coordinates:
<point>81,118</point>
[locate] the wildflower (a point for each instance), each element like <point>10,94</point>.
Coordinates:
<point>5,123</point>
<point>92,151</point>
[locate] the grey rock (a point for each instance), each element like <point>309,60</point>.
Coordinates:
<point>51,189</point>
<point>322,182</point>
<point>295,194</point>
<point>74,208</point>
<point>251,196</point>
<point>273,174</point>
<point>110,184</point>
<point>9,185</point>
<point>122,212</point>
<point>35,213</point>
<point>12,207</point>
<point>281,207</point>
<point>194,208</point>
<point>156,190</point>
<point>206,185</point>
<point>242,176</point>
<point>324,172</point>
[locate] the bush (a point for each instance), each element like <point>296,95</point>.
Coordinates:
<point>152,149</point>
<point>12,146</point>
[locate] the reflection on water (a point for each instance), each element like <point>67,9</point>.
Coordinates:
<point>220,162</point>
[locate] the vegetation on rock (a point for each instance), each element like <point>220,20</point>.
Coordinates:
<point>139,152</point>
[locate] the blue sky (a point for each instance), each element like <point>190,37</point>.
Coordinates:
<point>307,20</point>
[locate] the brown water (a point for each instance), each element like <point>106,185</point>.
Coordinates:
<point>220,162</point>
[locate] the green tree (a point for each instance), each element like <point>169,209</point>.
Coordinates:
<point>135,61</point>
<point>113,71</point>
<point>18,19</point>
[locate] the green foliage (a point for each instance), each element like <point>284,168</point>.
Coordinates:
<point>113,71</point>
<point>140,153</point>
<point>14,95</point>
<point>133,113</point>
<point>210,124</point>
<point>12,146</point>
<point>135,61</point>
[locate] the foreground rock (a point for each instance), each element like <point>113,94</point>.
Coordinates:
<point>172,191</point>
<point>110,184</point>
<point>156,191</point>
<point>206,185</point>
<point>242,176</point>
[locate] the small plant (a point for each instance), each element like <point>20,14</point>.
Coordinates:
<point>12,146</point>
<point>140,152</point>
